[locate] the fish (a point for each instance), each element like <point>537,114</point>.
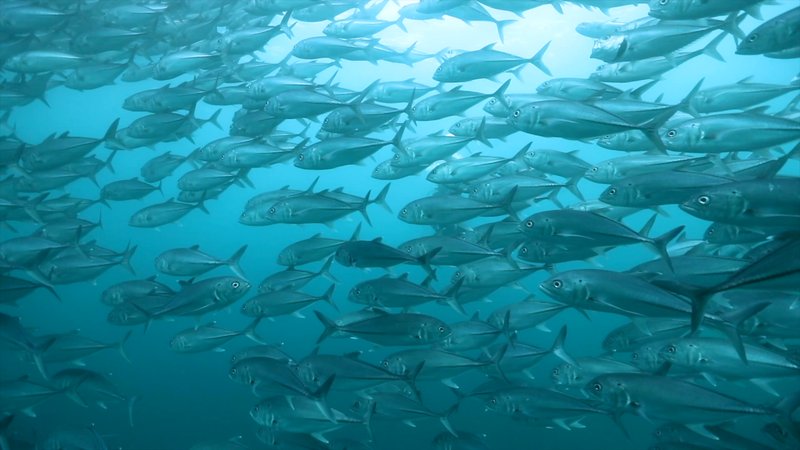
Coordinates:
<point>193,262</point>
<point>772,36</point>
<point>390,329</point>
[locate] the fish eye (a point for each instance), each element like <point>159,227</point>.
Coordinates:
<point>752,38</point>
<point>557,284</point>
<point>441,329</point>
<point>493,401</point>
<point>234,371</point>
<point>413,108</point>
<point>492,101</point>
<point>524,250</point>
<point>256,408</point>
<point>235,285</point>
<point>516,113</point>
<point>671,349</point>
<point>703,199</point>
<point>458,125</point>
<point>612,191</point>
<point>597,387</point>
<point>272,210</point>
<point>385,364</point>
<point>529,224</point>
<point>556,371</point>
<point>358,291</point>
<point>404,212</point>
<point>300,156</point>
<point>457,275</point>
<point>672,133</point>
<point>635,356</point>
<point>663,2</point>
<point>594,169</point>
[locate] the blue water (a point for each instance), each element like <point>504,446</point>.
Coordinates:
<point>186,399</point>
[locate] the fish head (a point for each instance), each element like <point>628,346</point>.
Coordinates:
<point>142,219</point>
<point>262,413</point>
<point>309,374</point>
<point>603,172</point>
<point>334,122</point>
<point>446,71</point>
<point>415,248</point>
<point>537,226</point>
<point>303,50</point>
<point>684,136</point>
<point>535,159</point>
<point>501,402</point>
<point>526,117</point>
<point>345,256</point>
<point>533,251</point>
<point>648,357</point>
<point>604,72</point>
<point>278,212</point>
<point>566,375</point>
<point>384,171</point>
<point>395,364</point>
<point>755,43</point>
<point>497,108</point>
<point>466,273</point>
<point>685,353</point>
<point>567,287</point>
<point>610,48</point>
<point>441,173</point>
<point>433,330</point>
<point>307,159</point>
<point>623,193</point>
<point>362,293</point>
<point>668,9</point>
<point>484,192</point>
<point>162,264</point>
<point>465,127</point>
<point>125,314</point>
<point>252,308</point>
<point>412,213</point>
<point>230,289</point>
<point>611,390</point>
<point>720,205</point>
<point>180,343</point>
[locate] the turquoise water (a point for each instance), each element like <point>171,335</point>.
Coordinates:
<point>186,399</point>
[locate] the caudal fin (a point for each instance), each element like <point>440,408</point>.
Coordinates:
<point>537,59</point>
<point>233,261</point>
<point>330,326</point>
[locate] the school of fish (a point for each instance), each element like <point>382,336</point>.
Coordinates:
<point>502,229</point>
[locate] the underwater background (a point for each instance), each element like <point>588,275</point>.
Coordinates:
<point>188,399</point>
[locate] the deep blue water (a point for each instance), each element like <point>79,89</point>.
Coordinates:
<point>186,399</point>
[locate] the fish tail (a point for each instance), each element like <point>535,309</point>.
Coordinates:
<point>572,186</point>
<point>126,258</point>
<point>213,119</point>
<point>362,208</point>
<point>233,261</point>
<point>250,331</point>
<point>131,402</point>
<point>731,25</point>
<point>480,134</point>
<point>284,25</point>
<point>500,94</point>
<point>381,198</point>
<point>731,324</point>
<point>325,270</point>
<point>660,243</point>
<point>501,25</point>
<point>445,419</point>
<point>330,326</point>
<point>450,297</point>
<point>506,203</point>
<point>356,232</point>
<point>111,132</point>
<point>400,24</point>
<point>328,296</point>
<point>412,379</point>
<point>558,347</point>
<point>109,160</point>
<point>121,346</point>
<point>711,48</point>
<point>425,261</point>
<point>537,61</point>
<point>368,415</point>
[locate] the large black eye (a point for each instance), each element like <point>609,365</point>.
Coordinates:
<point>404,212</point>
<point>672,133</point>
<point>457,275</point>
<point>752,38</point>
<point>663,2</point>
<point>635,356</point>
<point>385,364</point>
<point>612,191</point>
<point>493,401</point>
<point>235,285</point>
<point>594,169</point>
<point>358,291</point>
<point>703,199</point>
<point>272,210</point>
<point>671,349</point>
<point>233,371</point>
<point>597,387</point>
<point>556,371</point>
<point>524,250</point>
<point>441,329</point>
<point>516,113</point>
<point>557,284</point>
<point>492,101</point>
<point>529,224</point>
<point>300,157</point>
